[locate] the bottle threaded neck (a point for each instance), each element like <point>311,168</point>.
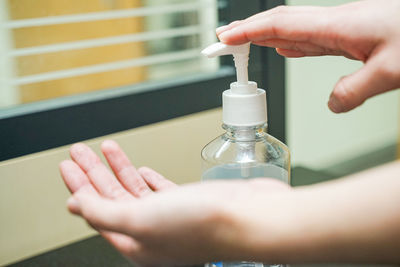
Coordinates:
<point>245,133</point>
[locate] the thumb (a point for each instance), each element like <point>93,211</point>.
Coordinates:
<point>104,214</point>
<point>375,77</point>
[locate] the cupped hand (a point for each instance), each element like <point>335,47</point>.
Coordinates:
<point>367,31</point>
<point>152,221</point>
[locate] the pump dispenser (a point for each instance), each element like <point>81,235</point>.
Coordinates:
<point>243,104</point>
<point>245,150</point>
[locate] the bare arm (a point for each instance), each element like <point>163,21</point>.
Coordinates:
<point>354,219</point>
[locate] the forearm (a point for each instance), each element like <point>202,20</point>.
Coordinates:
<point>355,219</point>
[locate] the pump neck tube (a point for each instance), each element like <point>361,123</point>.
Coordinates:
<point>241,64</point>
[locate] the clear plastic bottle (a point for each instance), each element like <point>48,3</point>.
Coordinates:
<point>245,150</point>
<point>243,153</point>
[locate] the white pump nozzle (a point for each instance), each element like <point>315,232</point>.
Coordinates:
<point>240,54</point>
<point>220,49</point>
<point>243,104</point>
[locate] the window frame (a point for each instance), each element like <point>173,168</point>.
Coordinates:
<point>43,125</point>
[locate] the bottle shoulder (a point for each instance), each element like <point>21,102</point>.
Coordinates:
<point>224,139</point>
<point>224,149</point>
<point>276,142</point>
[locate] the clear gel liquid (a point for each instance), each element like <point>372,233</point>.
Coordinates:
<point>241,171</point>
<point>246,171</point>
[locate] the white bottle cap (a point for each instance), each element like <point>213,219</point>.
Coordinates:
<point>243,104</point>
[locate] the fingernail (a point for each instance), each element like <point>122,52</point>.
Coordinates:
<point>73,204</point>
<point>335,105</point>
<point>224,36</point>
<point>221,29</point>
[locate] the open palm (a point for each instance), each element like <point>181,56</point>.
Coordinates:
<point>151,220</point>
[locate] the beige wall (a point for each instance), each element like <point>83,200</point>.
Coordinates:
<point>32,194</point>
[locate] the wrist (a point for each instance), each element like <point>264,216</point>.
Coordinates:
<point>263,227</point>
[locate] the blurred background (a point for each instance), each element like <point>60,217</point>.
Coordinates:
<point>78,47</point>
<point>69,50</point>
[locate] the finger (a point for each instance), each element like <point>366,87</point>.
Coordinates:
<point>87,189</point>
<point>300,49</point>
<point>126,173</point>
<point>123,243</point>
<point>297,53</point>
<point>270,12</point>
<point>289,53</point>
<point>156,181</point>
<point>231,25</point>
<point>126,245</point>
<point>305,47</point>
<point>101,178</point>
<point>373,78</point>
<point>73,176</point>
<point>288,25</point>
<point>105,214</point>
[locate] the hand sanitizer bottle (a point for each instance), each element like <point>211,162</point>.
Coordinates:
<point>245,150</point>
